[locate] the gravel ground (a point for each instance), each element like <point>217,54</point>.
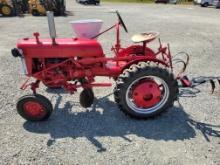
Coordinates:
<point>187,134</point>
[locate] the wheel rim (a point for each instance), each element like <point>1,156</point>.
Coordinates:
<point>34,109</point>
<point>6,10</point>
<point>147,94</point>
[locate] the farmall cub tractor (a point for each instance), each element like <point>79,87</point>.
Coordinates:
<point>145,84</point>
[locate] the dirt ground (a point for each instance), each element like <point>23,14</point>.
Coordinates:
<point>187,134</point>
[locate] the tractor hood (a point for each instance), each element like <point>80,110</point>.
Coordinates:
<point>62,48</point>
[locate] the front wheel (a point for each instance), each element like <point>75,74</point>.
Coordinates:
<point>86,98</point>
<point>145,90</point>
<point>34,107</point>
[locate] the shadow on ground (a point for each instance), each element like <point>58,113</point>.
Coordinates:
<point>172,125</point>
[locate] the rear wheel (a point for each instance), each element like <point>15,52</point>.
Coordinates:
<point>34,107</point>
<point>145,90</point>
<point>35,13</point>
<point>62,11</point>
<point>6,10</point>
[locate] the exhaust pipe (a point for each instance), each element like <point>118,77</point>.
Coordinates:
<point>51,24</point>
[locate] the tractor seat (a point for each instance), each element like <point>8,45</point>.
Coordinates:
<point>144,37</point>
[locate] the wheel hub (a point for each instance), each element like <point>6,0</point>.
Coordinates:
<point>34,109</point>
<point>146,94</point>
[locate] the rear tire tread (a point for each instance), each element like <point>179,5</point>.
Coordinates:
<point>141,68</point>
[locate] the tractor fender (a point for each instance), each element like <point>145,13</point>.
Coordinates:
<point>144,59</point>
<point>135,49</point>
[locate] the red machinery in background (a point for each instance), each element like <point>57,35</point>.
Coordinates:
<point>145,84</point>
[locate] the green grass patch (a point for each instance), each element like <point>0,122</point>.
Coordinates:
<point>131,1</point>
<point>180,2</point>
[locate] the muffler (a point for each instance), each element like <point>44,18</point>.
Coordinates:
<point>51,24</point>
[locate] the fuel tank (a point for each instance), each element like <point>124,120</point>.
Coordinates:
<point>62,48</point>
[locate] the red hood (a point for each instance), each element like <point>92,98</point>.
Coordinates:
<point>64,47</point>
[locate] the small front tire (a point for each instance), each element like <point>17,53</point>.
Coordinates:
<point>86,98</point>
<point>34,107</point>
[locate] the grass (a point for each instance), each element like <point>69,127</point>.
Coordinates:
<point>132,1</point>
<point>181,2</point>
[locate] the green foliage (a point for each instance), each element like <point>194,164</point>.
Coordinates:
<point>182,2</point>
<point>135,1</point>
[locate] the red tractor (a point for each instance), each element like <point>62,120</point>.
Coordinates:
<point>145,84</point>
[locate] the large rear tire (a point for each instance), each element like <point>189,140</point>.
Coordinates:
<point>35,13</point>
<point>34,107</point>
<point>145,90</point>
<point>6,10</point>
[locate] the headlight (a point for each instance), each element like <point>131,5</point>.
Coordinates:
<point>16,52</point>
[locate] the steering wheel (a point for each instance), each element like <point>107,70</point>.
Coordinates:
<point>121,22</point>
